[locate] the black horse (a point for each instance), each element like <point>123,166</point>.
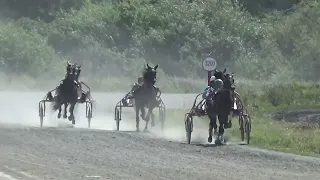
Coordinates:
<point>145,96</point>
<point>67,92</point>
<point>221,105</point>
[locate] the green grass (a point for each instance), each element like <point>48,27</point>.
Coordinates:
<point>266,133</point>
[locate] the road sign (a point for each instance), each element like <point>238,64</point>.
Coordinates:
<point>209,64</point>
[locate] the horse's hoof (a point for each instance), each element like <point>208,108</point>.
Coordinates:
<point>217,142</point>
<point>210,139</point>
<point>145,130</point>
<point>71,118</point>
<point>73,122</point>
<point>59,116</point>
<point>65,116</point>
<point>152,124</point>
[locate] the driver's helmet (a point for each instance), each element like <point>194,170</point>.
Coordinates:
<point>212,79</point>
<point>140,80</point>
<point>217,84</point>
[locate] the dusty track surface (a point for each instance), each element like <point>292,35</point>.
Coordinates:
<point>61,153</point>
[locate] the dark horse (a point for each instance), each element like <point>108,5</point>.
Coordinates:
<point>67,92</point>
<point>145,96</point>
<point>221,105</point>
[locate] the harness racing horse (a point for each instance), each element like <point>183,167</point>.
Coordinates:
<point>221,105</point>
<point>145,96</point>
<point>67,92</point>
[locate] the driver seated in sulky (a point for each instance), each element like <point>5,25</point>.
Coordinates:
<point>214,86</point>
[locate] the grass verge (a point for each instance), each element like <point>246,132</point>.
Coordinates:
<point>294,138</point>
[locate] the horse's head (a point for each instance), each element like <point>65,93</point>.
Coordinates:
<point>228,80</point>
<point>69,68</point>
<point>150,74</point>
<point>72,70</point>
<point>220,74</point>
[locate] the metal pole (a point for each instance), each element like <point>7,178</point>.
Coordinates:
<point>209,76</point>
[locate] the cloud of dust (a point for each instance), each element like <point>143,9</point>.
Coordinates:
<point>21,108</point>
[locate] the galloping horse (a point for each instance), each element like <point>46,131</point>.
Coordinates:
<point>145,96</point>
<point>221,105</point>
<point>67,92</point>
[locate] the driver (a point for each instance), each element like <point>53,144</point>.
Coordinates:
<point>208,88</point>
<point>214,85</point>
<point>137,84</point>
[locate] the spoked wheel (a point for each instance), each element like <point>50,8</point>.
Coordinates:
<point>247,126</point>
<point>89,118</point>
<point>89,112</point>
<point>189,127</point>
<point>162,116</point>
<point>117,118</point>
<point>41,112</point>
<point>241,125</point>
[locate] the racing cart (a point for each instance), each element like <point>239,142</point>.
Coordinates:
<point>84,97</point>
<point>128,101</point>
<point>199,110</point>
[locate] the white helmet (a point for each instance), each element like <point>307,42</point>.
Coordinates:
<point>213,78</point>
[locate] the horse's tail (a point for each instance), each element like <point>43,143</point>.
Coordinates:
<point>55,105</point>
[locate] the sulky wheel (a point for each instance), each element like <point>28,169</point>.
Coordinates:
<point>89,113</point>
<point>189,127</point>
<point>89,117</point>
<point>247,126</point>
<point>162,117</point>
<point>117,118</point>
<point>241,125</point>
<point>41,114</point>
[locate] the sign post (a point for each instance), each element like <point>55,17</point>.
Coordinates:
<point>209,64</point>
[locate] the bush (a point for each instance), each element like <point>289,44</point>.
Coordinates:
<point>23,52</point>
<point>114,40</point>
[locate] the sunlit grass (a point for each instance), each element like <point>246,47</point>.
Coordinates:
<point>266,133</point>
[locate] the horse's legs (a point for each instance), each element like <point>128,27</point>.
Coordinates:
<point>222,122</point>
<point>59,113</point>
<point>137,108</point>
<point>71,117</point>
<point>148,118</point>
<point>65,110</point>
<point>212,125</point>
<point>143,113</point>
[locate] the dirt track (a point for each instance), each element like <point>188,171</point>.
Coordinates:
<point>62,153</point>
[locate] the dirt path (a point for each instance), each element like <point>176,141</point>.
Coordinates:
<point>32,153</point>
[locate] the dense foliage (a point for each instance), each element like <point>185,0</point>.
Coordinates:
<point>255,39</point>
